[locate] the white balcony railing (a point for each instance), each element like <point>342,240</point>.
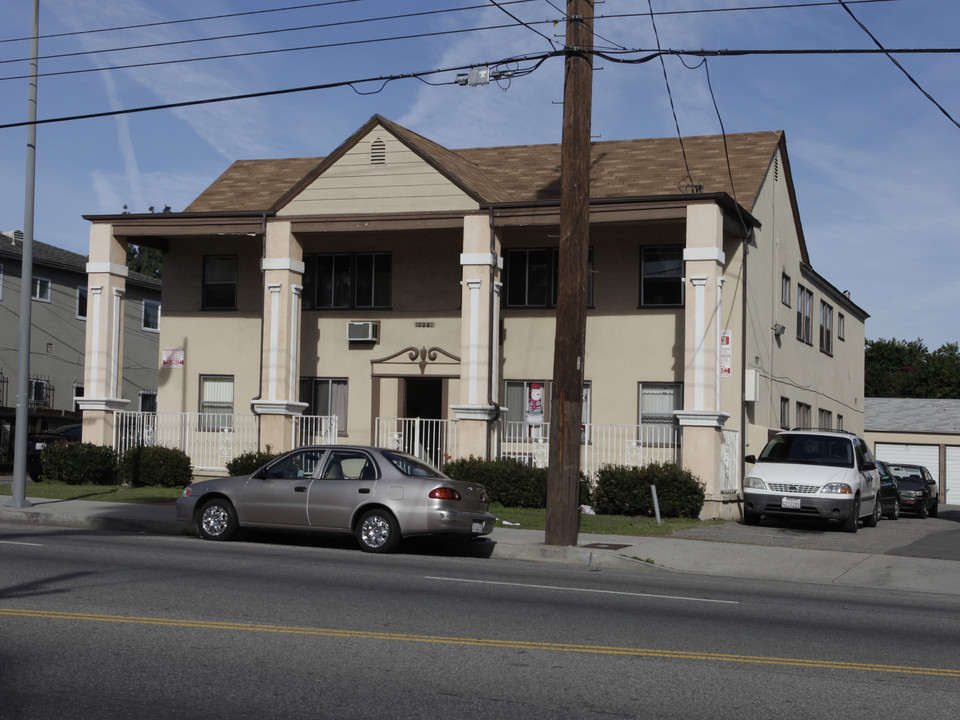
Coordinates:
<point>434,441</point>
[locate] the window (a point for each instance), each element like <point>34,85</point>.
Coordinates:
<point>216,402</point>
<point>343,281</point>
<point>841,327</point>
<point>151,316</point>
<point>804,315</point>
<point>826,419</point>
<point>219,282</point>
<point>840,422</point>
<point>148,401</point>
<point>527,407</point>
<point>82,302</point>
<point>661,276</point>
<point>826,328</point>
<point>804,415</point>
<point>326,396</point>
<point>40,393</point>
<point>585,413</point>
<point>533,277</point>
<point>785,292</point>
<point>41,289</point>
<point>77,393</point>
<point>658,423</point>
<point>785,413</point>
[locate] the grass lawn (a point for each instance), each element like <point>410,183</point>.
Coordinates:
<point>522,518</point>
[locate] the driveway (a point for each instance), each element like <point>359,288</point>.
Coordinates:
<point>935,538</point>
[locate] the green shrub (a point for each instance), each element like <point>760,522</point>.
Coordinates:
<point>155,466</point>
<point>623,490</point>
<point>248,462</point>
<point>510,482</point>
<point>79,464</point>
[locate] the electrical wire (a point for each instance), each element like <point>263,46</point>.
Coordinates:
<point>500,6</point>
<point>894,61</point>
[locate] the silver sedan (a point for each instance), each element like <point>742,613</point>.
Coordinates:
<point>378,495</point>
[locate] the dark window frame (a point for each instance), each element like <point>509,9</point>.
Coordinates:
<point>663,279</point>
<point>214,293</point>
<point>348,281</point>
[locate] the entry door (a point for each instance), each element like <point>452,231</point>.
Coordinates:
<point>423,434</point>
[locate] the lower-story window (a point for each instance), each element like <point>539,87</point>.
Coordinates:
<point>326,396</point>
<point>804,415</point>
<point>657,403</point>
<point>216,402</point>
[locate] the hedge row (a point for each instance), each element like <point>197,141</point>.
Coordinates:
<point>509,482</point>
<point>89,464</point>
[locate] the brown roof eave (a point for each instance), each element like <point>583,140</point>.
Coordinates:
<point>721,198</point>
<point>131,218</point>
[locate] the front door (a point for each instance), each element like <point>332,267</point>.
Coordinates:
<point>423,431</point>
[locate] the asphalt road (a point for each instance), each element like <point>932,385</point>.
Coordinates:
<point>117,625</point>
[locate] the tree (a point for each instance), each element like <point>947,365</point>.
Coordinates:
<point>899,369</point>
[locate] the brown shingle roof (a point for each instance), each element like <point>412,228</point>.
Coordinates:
<point>525,173</point>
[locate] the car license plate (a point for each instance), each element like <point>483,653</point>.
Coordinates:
<point>477,526</point>
<point>789,503</point>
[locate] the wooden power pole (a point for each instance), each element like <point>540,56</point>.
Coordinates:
<point>566,396</point>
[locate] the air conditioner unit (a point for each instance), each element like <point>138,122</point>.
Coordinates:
<point>362,331</point>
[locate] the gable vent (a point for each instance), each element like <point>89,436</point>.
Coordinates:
<point>378,152</point>
<point>776,169</point>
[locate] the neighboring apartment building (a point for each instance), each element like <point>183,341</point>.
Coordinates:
<point>58,317</point>
<point>398,279</point>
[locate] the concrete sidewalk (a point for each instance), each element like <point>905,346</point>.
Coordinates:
<point>720,557</point>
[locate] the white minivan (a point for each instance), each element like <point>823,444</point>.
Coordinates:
<point>813,474</point>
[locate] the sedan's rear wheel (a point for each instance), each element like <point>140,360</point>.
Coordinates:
<point>894,514</point>
<point>378,532</point>
<point>217,520</point>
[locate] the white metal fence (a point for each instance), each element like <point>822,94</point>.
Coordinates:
<point>315,430</point>
<point>434,441</point>
<point>210,439</point>
<point>634,445</point>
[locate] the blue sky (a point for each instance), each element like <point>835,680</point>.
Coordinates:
<point>873,159</point>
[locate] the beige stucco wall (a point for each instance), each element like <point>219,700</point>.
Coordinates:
<point>403,183</point>
<point>791,368</point>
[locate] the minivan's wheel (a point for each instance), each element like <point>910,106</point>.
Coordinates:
<point>750,518</point>
<point>217,520</point>
<point>895,513</point>
<point>875,515</point>
<point>852,523</point>
<point>922,512</point>
<point>378,532</point>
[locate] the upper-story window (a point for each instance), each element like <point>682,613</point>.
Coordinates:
<point>82,302</point>
<point>785,292</point>
<point>661,276</point>
<point>151,316</point>
<point>841,327</point>
<point>219,282</point>
<point>804,315</point>
<point>348,280</point>
<point>826,328</point>
<point>42,289</point>
<point>533,277</point>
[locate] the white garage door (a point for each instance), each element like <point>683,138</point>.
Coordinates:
<point>926,455</point>
<point>953,475</point>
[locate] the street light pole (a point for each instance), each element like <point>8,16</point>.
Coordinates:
<point>18,490</point>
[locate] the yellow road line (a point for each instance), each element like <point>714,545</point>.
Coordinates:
<point>486,642</point>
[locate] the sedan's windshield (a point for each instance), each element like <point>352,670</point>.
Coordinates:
<point>810,450</point>
<point>908,476</point>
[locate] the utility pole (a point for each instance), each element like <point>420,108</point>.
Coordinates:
<point>566,396</point>
<point>18,489</point>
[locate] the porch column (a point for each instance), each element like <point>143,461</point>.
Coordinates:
<point>479,337</point>
<point>103,357</point>
<point>283,268</point>
<point>701,419</point>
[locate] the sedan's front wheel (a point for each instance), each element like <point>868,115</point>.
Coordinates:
<point>218,520</point>
<point>378,532</point>
<point>895,513</point>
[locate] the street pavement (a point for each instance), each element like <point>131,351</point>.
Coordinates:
<point>906,554</point>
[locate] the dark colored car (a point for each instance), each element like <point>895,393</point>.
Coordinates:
<point>889,492</point>
<point>36,442</point>
<point>919,492</point>
<point>377,495</point>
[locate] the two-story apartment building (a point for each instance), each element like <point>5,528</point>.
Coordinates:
<point>396,279</point>
<point>58,317</point>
